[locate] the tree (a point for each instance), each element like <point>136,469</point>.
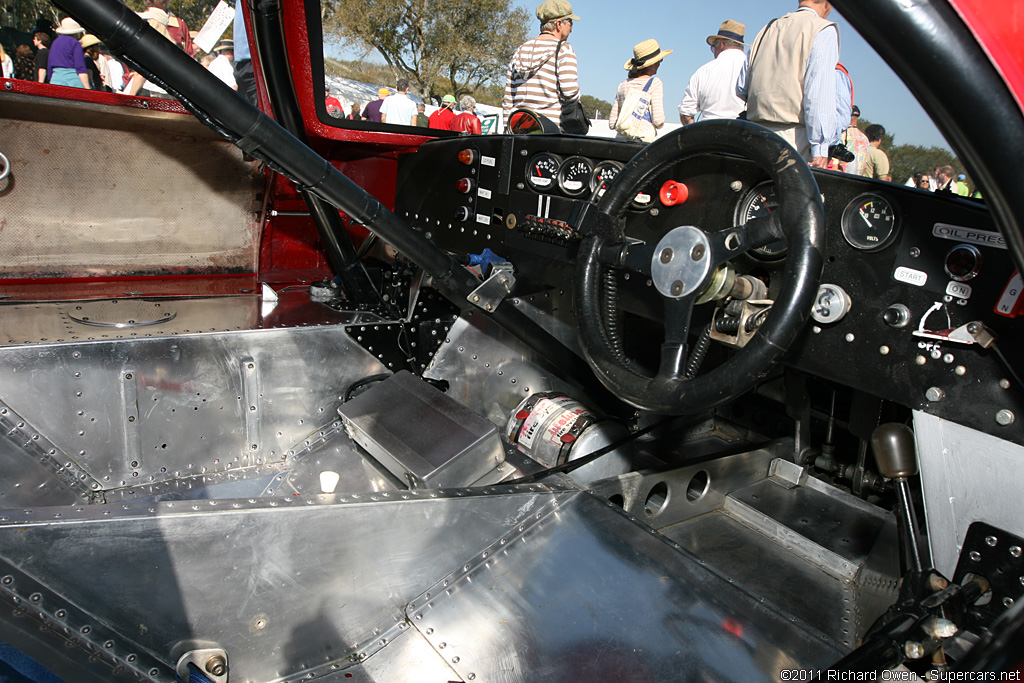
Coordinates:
<point>594,107</point>
<point>906,160</point>
<point>453,47</point>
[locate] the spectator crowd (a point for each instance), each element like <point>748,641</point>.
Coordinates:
<point>66,55</point>
<point>788,78</point>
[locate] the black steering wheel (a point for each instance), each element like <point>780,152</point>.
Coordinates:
<point>684,262</point>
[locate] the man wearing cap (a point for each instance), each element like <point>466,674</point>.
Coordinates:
<point>443,117</point>
<point>712,88</point>
<point>398,108</point>
<point>789,80</point>
<point>371,112</point>
<point>223,66</point>
<point>536,75</point>
<point>65,64</point>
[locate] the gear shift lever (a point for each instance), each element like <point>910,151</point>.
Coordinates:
<point>893,445</point>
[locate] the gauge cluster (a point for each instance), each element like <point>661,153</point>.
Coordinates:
<point>903,269</point>
<point>575,176</point>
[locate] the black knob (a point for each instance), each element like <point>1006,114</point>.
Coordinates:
<point>895,453</point>
<point>896,315</point>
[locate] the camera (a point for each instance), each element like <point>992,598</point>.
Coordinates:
<point>841,153</point>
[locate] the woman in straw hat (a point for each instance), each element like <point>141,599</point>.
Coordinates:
<point>638,110</point>
<point>65,64</point>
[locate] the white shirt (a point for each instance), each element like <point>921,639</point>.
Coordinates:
<point>222,68</point>
<point>116,74</point>
<point>712,88</point>
<point>398,109</point>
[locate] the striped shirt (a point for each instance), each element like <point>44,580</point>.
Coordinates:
<point>532,80</point>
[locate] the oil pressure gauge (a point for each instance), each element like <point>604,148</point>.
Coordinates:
<point>574,176</point>
<point>542,171</point>
<point>869,222</point>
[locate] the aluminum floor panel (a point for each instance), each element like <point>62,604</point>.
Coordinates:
<point>586,593</point>
<point>742,554</point>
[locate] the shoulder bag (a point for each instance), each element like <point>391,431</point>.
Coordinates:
<point>574,120</point>
<point>634,120</point>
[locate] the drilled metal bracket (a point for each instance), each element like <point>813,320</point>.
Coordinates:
<point>494,289</point>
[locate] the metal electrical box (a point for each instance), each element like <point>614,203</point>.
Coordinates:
<point>421,435</point>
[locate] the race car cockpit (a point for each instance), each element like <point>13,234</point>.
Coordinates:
<point>292,398</point>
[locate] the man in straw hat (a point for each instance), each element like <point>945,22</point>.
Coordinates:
<point>639,110</point>
<point>712,88</point>
<point>789,80</point>
<point>65,64</point>
<point>536,73</point>
<point>223,66</point>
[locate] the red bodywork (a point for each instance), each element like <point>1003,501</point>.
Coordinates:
<point>998,29</point>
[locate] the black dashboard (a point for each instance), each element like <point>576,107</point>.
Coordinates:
<point>913,287</point>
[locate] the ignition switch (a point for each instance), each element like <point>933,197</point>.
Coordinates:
<point>831,305</point>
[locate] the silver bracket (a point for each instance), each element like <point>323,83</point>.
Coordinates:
<point>251,404</point>
<point>212,662</point>
<point>130,410</point>
<point>495,288</point>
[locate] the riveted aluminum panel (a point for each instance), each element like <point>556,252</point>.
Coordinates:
<point>287,586</point>
<point>966,476</point>
<point>141,416</point>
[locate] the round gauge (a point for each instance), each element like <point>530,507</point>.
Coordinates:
<point>869,222</point>
<point>574,176</point>
<point>542,171</point>
<point>604,173</point>
<point>759,202</point>
<point>644,199</point>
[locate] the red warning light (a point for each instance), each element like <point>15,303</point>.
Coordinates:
<point>673,193</point>
<point>464,185</point>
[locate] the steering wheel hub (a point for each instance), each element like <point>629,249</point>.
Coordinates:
<point>681,262</point>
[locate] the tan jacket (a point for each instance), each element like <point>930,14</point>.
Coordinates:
<point>778,64</point>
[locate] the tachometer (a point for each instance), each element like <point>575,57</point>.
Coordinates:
<point>604,173</point>
<point>542,171</point>
<point>869,222</point>
<point>759,202</point>
<point>574,176</point>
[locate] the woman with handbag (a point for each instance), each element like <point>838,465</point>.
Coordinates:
<point>638,110</point>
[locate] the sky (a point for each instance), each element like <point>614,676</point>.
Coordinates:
<point>605,36</point>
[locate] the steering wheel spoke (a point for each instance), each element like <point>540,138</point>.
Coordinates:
<point>637,257</point>
<point>762,231</point>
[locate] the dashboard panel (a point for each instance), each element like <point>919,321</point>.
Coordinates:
<point>915,284</point>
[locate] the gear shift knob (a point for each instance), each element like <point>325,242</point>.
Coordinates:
<point>895,453</point>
